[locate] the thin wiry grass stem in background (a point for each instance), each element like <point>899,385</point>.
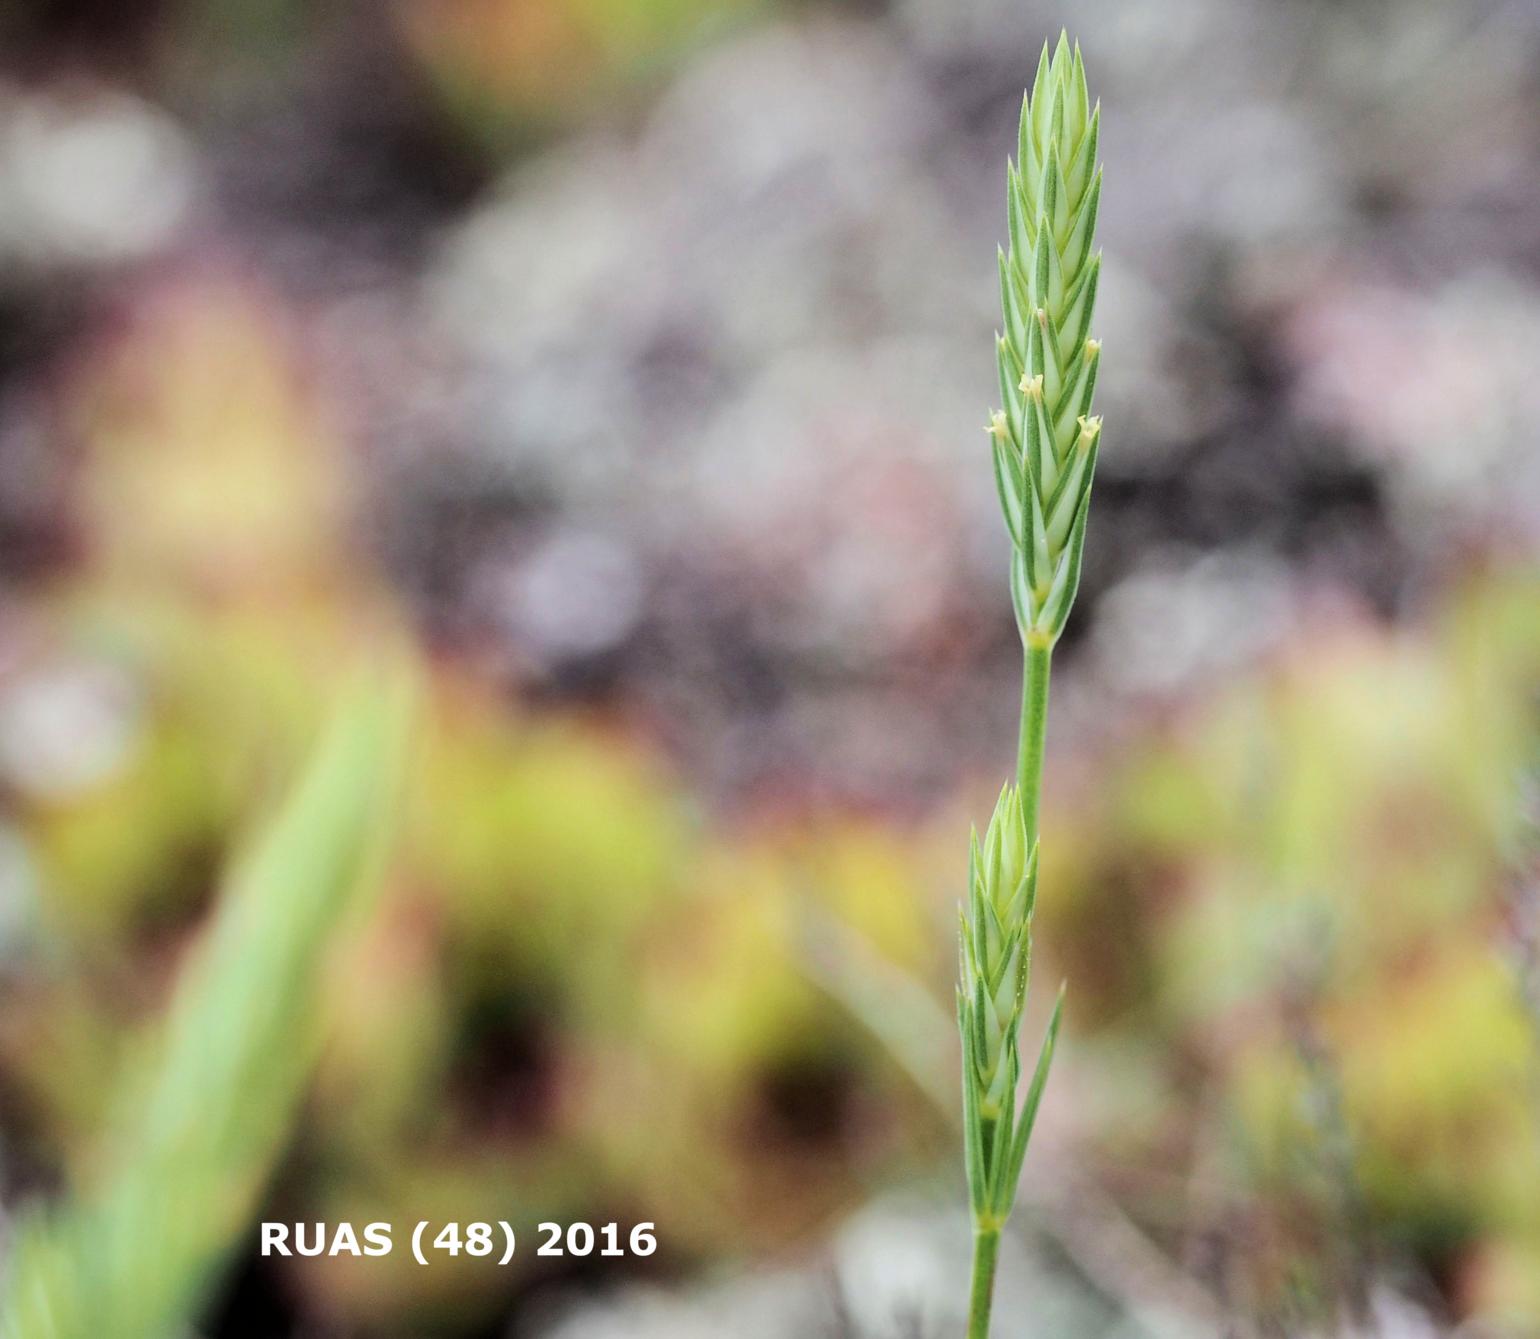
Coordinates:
<point>893,1006</point>
<point>135,1256</point>
<point>1524,904</point>
<point>1331,1148</point>
<point>1044,442</point>
<point>1524,925</point>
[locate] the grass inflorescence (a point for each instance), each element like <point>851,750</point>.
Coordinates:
<point>1044,440</point>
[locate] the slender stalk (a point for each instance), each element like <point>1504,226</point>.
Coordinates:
<point>986,1251</point>
<point>1034,730</point>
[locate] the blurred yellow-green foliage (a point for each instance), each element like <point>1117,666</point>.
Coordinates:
<point>1289,896</point>
<point>1281,905</point>
<point>1298,893</point>
<point>147,1222</point>
<point>505,67</point>
<point>563,939</point>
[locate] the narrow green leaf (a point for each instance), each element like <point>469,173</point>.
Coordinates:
<point>195,1133</point>
<point>1028,1117</point>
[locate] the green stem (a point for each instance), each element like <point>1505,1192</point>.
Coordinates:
<point>986,1250</point>
<point>1034,729</point>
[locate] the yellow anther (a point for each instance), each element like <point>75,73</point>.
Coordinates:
<point>996,427</point>
<point>1032,387</point>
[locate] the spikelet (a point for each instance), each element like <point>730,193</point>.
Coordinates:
<point>1044,437</point>
<point>996,956</point>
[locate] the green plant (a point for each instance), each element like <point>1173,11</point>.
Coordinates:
<point>1044,443</point>
<point>133,1254</point>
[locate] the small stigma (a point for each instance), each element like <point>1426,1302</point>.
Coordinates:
<point>1090,430</point>
<point>996,426</point>
<point>1032,387</point>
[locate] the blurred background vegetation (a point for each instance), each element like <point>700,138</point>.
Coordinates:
<point>625,361</point>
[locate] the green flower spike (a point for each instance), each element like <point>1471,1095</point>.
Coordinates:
<point>1044,440</point>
